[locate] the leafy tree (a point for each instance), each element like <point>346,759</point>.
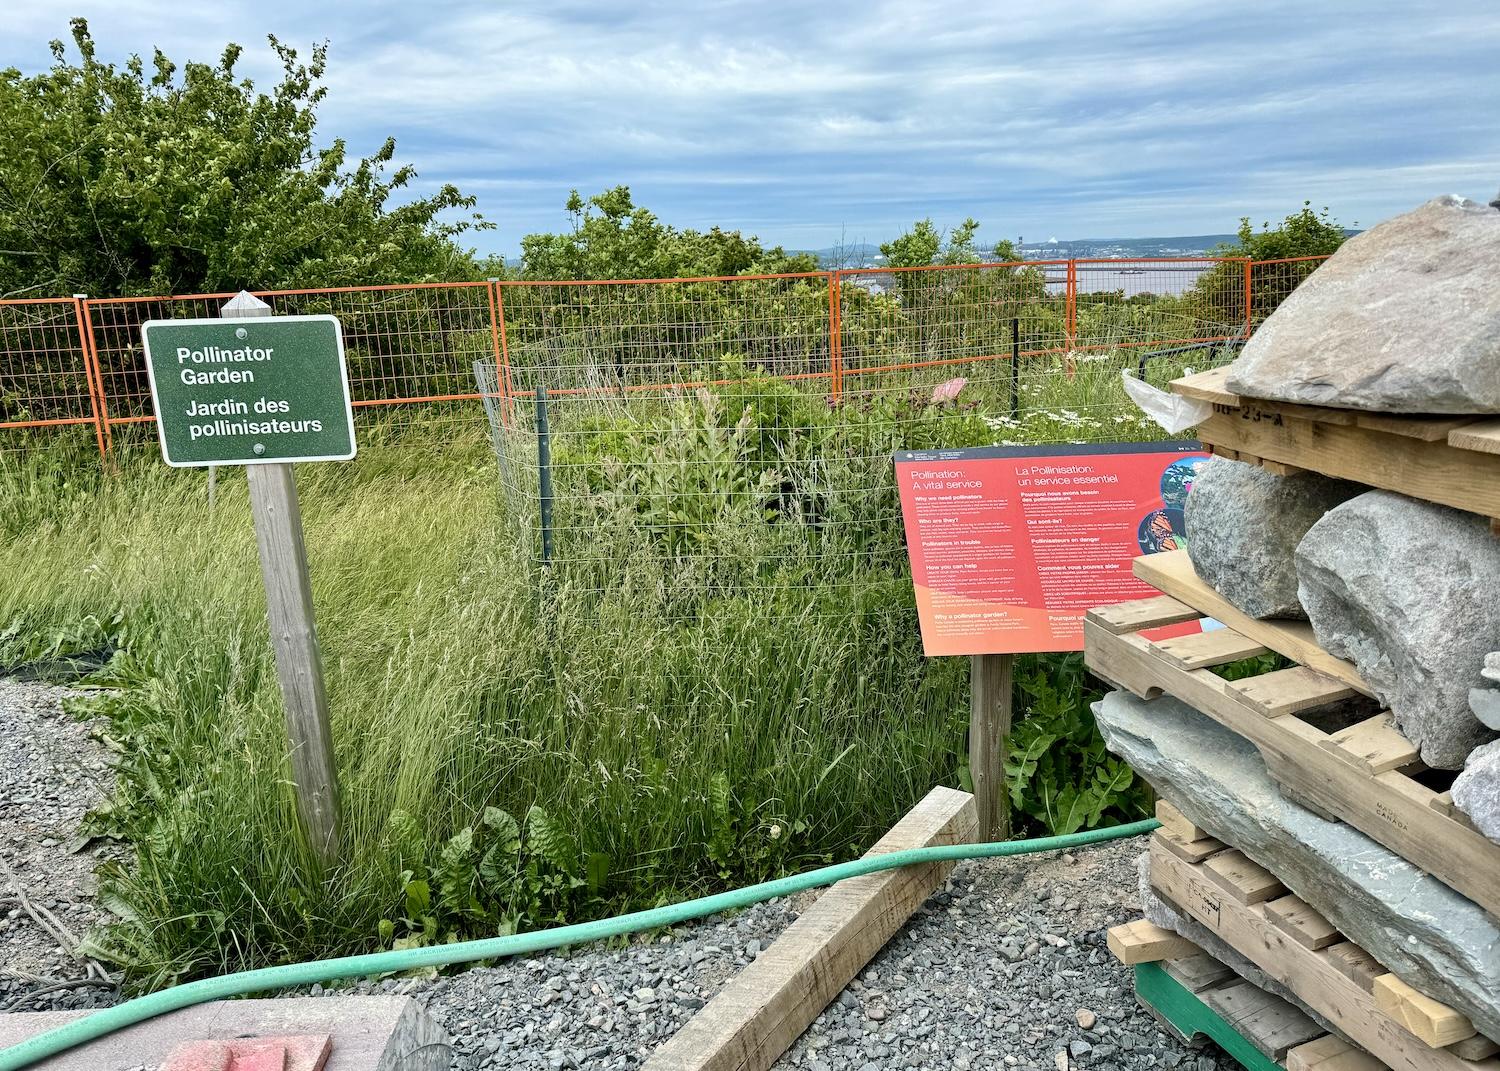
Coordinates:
<point>924,244</point>
<point>141,179</point>
<point>614,238</point>
<point>1304,233</point>
<point>1220,292</point>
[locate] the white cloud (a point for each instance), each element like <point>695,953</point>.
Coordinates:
<point>1086,119</point>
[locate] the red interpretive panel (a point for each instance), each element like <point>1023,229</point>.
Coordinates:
<point>1010,545</point>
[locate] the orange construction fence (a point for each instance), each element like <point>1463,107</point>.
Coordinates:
<point>78,361</point>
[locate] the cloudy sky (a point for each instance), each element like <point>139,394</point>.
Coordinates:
<point>807,122</point>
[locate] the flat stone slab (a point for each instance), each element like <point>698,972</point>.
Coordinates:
<point>1434,938</point>
<point>375,1033</point>
<point>1404,318</point>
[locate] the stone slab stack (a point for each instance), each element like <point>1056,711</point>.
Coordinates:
<point>1326,544</point>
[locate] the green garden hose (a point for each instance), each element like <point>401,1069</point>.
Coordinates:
<point>327,970</point>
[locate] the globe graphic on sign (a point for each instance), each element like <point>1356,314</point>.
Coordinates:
<point>1177,480</point>
<point>1162,530</point>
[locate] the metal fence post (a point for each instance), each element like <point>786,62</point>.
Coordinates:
<point>1249,322</point>
<point>835,336</point>
<point>544,472</point>
<point>91,373</point>
<point>497,342</point>
<point>1070,329</point>
<point>1015,367</point>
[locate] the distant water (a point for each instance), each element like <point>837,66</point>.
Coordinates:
<point>1146,279</point>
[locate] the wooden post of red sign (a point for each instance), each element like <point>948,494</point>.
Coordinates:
<point>989,724</point>
<point>294,637</point>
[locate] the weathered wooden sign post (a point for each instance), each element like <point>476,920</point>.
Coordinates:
<point>261,391</point>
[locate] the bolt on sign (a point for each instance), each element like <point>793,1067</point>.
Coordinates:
<point>250,391</point>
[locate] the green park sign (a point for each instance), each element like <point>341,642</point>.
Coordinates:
<point>250,391</point>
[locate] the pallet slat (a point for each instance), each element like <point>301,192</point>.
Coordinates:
<point>1306,972</point>
<point>1243,878</point>
<point>1172,572</point>
<point>1142,613</point>
<point>1431,1020</point>
<point>1202,650</point>
<point>1290,691</point>
<point>1334,443</point>
<point>1144,942</point>
<point>1294,916</point>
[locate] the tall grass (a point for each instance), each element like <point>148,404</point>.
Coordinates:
<point>673,754</point>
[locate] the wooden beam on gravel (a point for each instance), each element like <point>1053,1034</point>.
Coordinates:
<point>1143,941</point>
<point>760,1012</point>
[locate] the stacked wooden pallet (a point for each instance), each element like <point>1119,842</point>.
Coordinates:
<point>1367,775</point>
<point>1451,460</point>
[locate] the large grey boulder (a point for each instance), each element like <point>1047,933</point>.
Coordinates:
<point>1434,938</point>
<point>1243,527</point>
<point>1476,791</point>
<point>1404,318</point>
<point>1410,593</point>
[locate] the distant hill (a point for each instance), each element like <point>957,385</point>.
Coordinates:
<point>867,254</point>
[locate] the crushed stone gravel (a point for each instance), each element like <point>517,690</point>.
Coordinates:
<point>52,771</point>
<point>1005,967</point>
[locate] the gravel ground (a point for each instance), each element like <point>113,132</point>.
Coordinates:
<point>1006,967</point>
<point>52,771</point>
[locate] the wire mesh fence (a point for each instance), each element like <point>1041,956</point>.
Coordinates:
<point>46,380</point>
<point>734,435</point>
<point>855,338</point>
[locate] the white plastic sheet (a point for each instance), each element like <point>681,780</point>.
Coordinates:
<point>1173,412</point>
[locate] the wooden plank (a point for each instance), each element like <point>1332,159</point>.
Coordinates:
<point>1200,650</point>
<point>1374,745</point>
<point>1207,386</point>
<point>1144,942</point>
<point>1141,613</point>
<point>1271,1024</point>
<point>1477,1047</point>
<point>1281,468</point>
<point>989,724</point>
<point>1307,927</point>
<point>1177,823</point>
<point>1194,851</point>
<point>1431,428</point>
<point>1355,964</point>
<point>1243,878</point>
<point>1391,807</point>
<point>299,661</point>
<point>1172,573</point>
<point>1199,972</point>
<point>1331,1053</point>
<point>1483,437</point>
<point>1306,973</point>
<point>1290,691</point>
<point>1431,1020</point>
<point>756,1017</point>
<point>1435,471</point>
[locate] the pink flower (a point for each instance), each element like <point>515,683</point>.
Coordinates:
<point>947,392</point>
